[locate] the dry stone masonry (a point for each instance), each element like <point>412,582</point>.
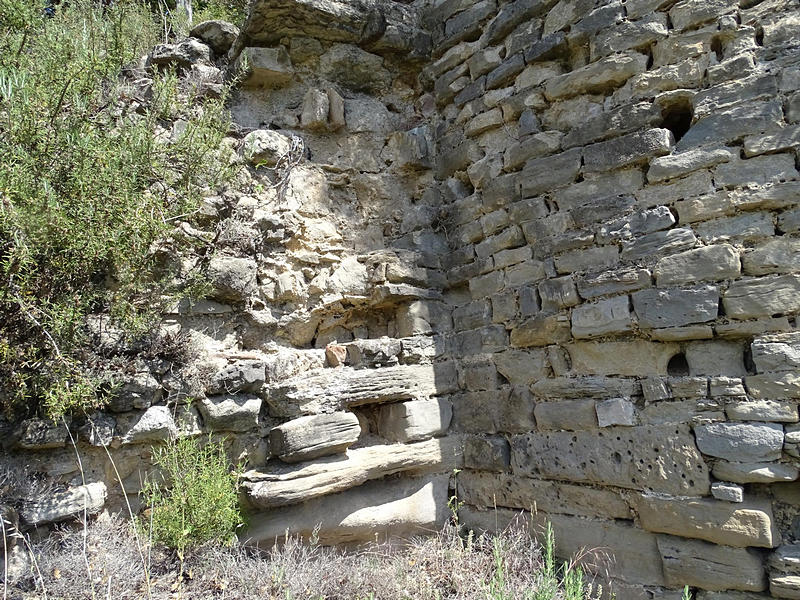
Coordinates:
<point>543,255</point>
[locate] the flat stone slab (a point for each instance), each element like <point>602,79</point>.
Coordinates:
<point>749,523</point>
<point>710,567</point>
<point>754,472</point>
<point>63,505</point>
<point>313,436</point>
<point>660,458</point>
<point>744,442</point>
<point>278,485</point>
<point>381,509</point>
<point>328,390</point>
<point>414,420</point>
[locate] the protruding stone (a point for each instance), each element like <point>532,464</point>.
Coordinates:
<point>156,424</point>
<point>265,146</point>
<point>219,35</point>
<point>269,67</point>
<point>314,436</point>
<point>230,413</point>
<point>414,420</point>
<point>747,442</point>
<point>59,506</point>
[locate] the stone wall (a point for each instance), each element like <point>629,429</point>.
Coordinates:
<point>552,246</point>
<point>622,189</point>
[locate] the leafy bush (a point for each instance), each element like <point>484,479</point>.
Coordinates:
<point>87,186</point>
<point>196,500</point>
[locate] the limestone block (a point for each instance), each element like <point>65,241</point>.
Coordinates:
<point>605,317</point>
<point>759,170</point>
<point>662,458</point>
<point>584,259</point>
<point>315,110</point>
<point>313,436</point>
<point>777,352</point>
<point>629,34</point>
<point>732,123</point>
<point>487,490</point>
<point>183,54</point>
<point>354,68</point>
<point>600,76</point>
<point>638,223</point>
<point>708,263</point>
<point>780,255</point>
<point>156,424</point>
<point>739,525</point>
<point>723,95</point>
<point>585,387</point>
<point>690,13</point>
<point>534,146</point>
<point>542,174</point>
<point>240,376</point>
<point>138,390</point>
<point>412,149</point>
<point>626,279</point>
<point>281,485</point>
<point>627,150</point>
<point>765,296</point>
<point>40,434</point>
<point>467,24</point>
<point>626,118</point>
<point>472,315</point>
<point>329,390</point>
<point>688,73</point>
<point>660,242</point>
<point>59,506</point>
<point>715,357</point>
<point>505,73</point>
<point>727,386</point>
<point>739,472</point>
<point>219,35</point>
<point>234,279</point>
<point>774,385</point>
<point>484,453</point>
<point>511,15</point>
<point>414,420</point>
<point>230,413</point>
<point>558,293</point>
<point>604,185</point>
<point>616,411</point>
<point>375,352</point>
<point>674,190</point>
<point>786,139</point>
<point>710,567</point>
<point>675,307</point>
<point>678,165</point>
<point>762,410</point>
<point>541,331</point>
<point>566,415</point>
<point>550,47</point>
<point>634,555</point>
<point>522,367</point>
<point>486,285</point>
<point>730,492</point>
<point>268,67</point>
<point>784,564</point>
<point>402,507</point>
<point>631,359</point>
<point>747,442</point>
<point>501,411</point>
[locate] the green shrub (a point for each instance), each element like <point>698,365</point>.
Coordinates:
<point>81,200</point>
<point>195,500</point>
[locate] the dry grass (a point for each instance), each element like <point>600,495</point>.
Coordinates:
<point>103,561</point>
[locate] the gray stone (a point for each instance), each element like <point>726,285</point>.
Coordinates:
<point>240,376</point>
<point>786,139</point>
<point>230,413</point>
<point>660,242</point>
<point>715,357</point>
<point>496,411</point>
<point>313,436</point>
<point>268,67</point>
<point>58,506</point>
<point>746,442</point>
<point>777,352</point>
<point>690,13</point>
<point>740,472</point>
<point>489,490</point>
<point>762,410</point>
<point>600,76</point>
<point>534,146</point>
<point>678,165</point>
<point>629,34</point>
<point>779,255</point>
<point>265,146</point>
<point>774,385</point>
<point>41,434</point>
<point>767,296</point>
<point>522,367</point>
<point>733,123</point>
<point>627,150</point>
<point>354,68</point>
<point>739,525</point>
<point>156,424</point>
<point>759,170</point>
<point>709,263</point>
<point>541,331</point>
<point>139,390</point>
<point>618,281</point>
<point>542,174</point>
<point>402,507</point>
<point>661,460</point>
<point>281,485</point>
<point>183,54</point>
<point>234,279</point>
<point>549,47</point>
<point>616,411</point>
<point>414,420</point>
<point>584,387</point>
<point>605,317</point>
<point>219,35</point>
<point>486,453</point>
<point>730,492</point>
<point>569,415</point>
<point>584,259</point>
<point>558,293</point>
<point>638,223</point>
<point>671,308</point>
<point>711,567</point>
<point>636,358</point>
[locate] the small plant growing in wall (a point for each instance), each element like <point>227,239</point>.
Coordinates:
<point>194,499</point>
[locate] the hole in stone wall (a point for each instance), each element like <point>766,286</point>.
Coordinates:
<point>749,365</point>
<point>760,36</point>
<point>716,47</point>
<point>678,366</point>
<point>677,118</point>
